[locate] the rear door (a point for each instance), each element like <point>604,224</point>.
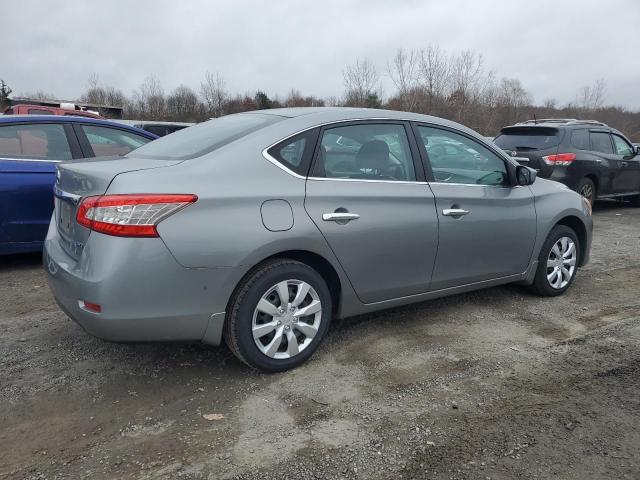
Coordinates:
<point>487,227</point>
<point>29,154</point>
<point>367,196</point>
<point>629,178</point>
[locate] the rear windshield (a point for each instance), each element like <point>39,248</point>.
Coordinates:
<point>205,137</point>
<point>528,138</point>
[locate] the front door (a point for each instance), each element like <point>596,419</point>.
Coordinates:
<point>629,181</point>
<point>365,196</point>
<point>487,227</point>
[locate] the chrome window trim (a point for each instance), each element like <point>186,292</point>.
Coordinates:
<point>31,160</point>
<point>364,180</point>
<point>278,164</point>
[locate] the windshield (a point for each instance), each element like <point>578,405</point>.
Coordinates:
<point>528,138</point>
<point>205,137</point>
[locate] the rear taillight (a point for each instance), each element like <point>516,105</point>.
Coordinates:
<point>559,159</point>
<point>129,215</point>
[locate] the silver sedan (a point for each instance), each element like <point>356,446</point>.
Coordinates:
<point>259,228</point>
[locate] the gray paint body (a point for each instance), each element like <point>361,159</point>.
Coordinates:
<point>401,249</point>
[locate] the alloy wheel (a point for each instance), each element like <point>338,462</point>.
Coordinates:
<point>561,262</point>
<point>286,319</point>
<point>587,192</point>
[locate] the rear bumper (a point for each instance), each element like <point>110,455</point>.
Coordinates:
<point>144,294</point>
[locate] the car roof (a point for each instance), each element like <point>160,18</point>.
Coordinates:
<point>322,115</point>
<point>72,119</point>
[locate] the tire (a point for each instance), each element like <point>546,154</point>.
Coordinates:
<point>587,189</point>
<point>560,282</point>
<point>254,307</point>
<point>635,201</point>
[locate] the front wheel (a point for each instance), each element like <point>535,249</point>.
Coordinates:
<point>278,316</point>
<point>557,262</point>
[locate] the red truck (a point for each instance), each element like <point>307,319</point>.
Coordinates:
<point>24,109</point>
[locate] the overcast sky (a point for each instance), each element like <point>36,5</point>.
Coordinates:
<point>554,47</point>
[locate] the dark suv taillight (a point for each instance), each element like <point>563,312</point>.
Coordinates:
<point>559,159</point>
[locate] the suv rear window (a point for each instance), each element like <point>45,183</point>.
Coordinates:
<point>205,137</point>
<point>528,138</point>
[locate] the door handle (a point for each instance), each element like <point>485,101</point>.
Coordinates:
<point>625,164</point>
<point>454,212</point>
<point>339,216</point>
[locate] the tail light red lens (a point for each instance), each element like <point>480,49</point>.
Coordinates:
<point>559,159</point>
<point>130,215</point>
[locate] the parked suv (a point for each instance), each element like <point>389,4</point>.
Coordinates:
<point>589,157</point>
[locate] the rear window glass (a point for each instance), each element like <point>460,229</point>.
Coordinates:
<point>528,138</point>
<point>580,139</point>
<point>205,137</point>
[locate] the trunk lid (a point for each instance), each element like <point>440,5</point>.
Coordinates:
<point>89,177</point>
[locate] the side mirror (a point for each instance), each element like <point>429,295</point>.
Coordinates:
<point>636,149</point>
<point>525,175</point>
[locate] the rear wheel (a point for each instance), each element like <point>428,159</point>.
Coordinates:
<point>557,262</point>
<point>278,316</point>
<point>635,201</point>
<point>587,189</point>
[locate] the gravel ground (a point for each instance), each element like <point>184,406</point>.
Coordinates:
<point>495,384</point>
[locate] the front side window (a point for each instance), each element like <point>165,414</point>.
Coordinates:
<point>366,152</point>
<point>35,141</point>
<point>109,142</point>
<point>622,147</point>
<point>601,142</point>
<point>455,158</point>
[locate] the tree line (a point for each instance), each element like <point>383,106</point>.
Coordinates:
<point>457,86</point>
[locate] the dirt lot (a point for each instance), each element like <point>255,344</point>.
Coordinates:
<point>494,384</point>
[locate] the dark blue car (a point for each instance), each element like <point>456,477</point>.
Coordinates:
<point>30,148</point>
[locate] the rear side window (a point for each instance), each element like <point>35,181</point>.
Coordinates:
<point>35,142</point>
<point>601,142</point>
<point>528,138</point>
<point>366,152</point>
<point>295,153</point>
<point>580,139</point>
<point>205,137</point>
<point>108,142</point>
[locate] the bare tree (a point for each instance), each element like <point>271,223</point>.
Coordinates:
<point>362,84</point>
<point>214,93</point>
<point>183,105</point>
<point>148,102</point>
<point>98,94</point>
<point>404,74</point>
<point>435,73</point>
<point>5,91</point>
<point>592,97</point>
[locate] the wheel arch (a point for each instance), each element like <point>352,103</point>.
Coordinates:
<point>575,224</point>
<point>316,261</point>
